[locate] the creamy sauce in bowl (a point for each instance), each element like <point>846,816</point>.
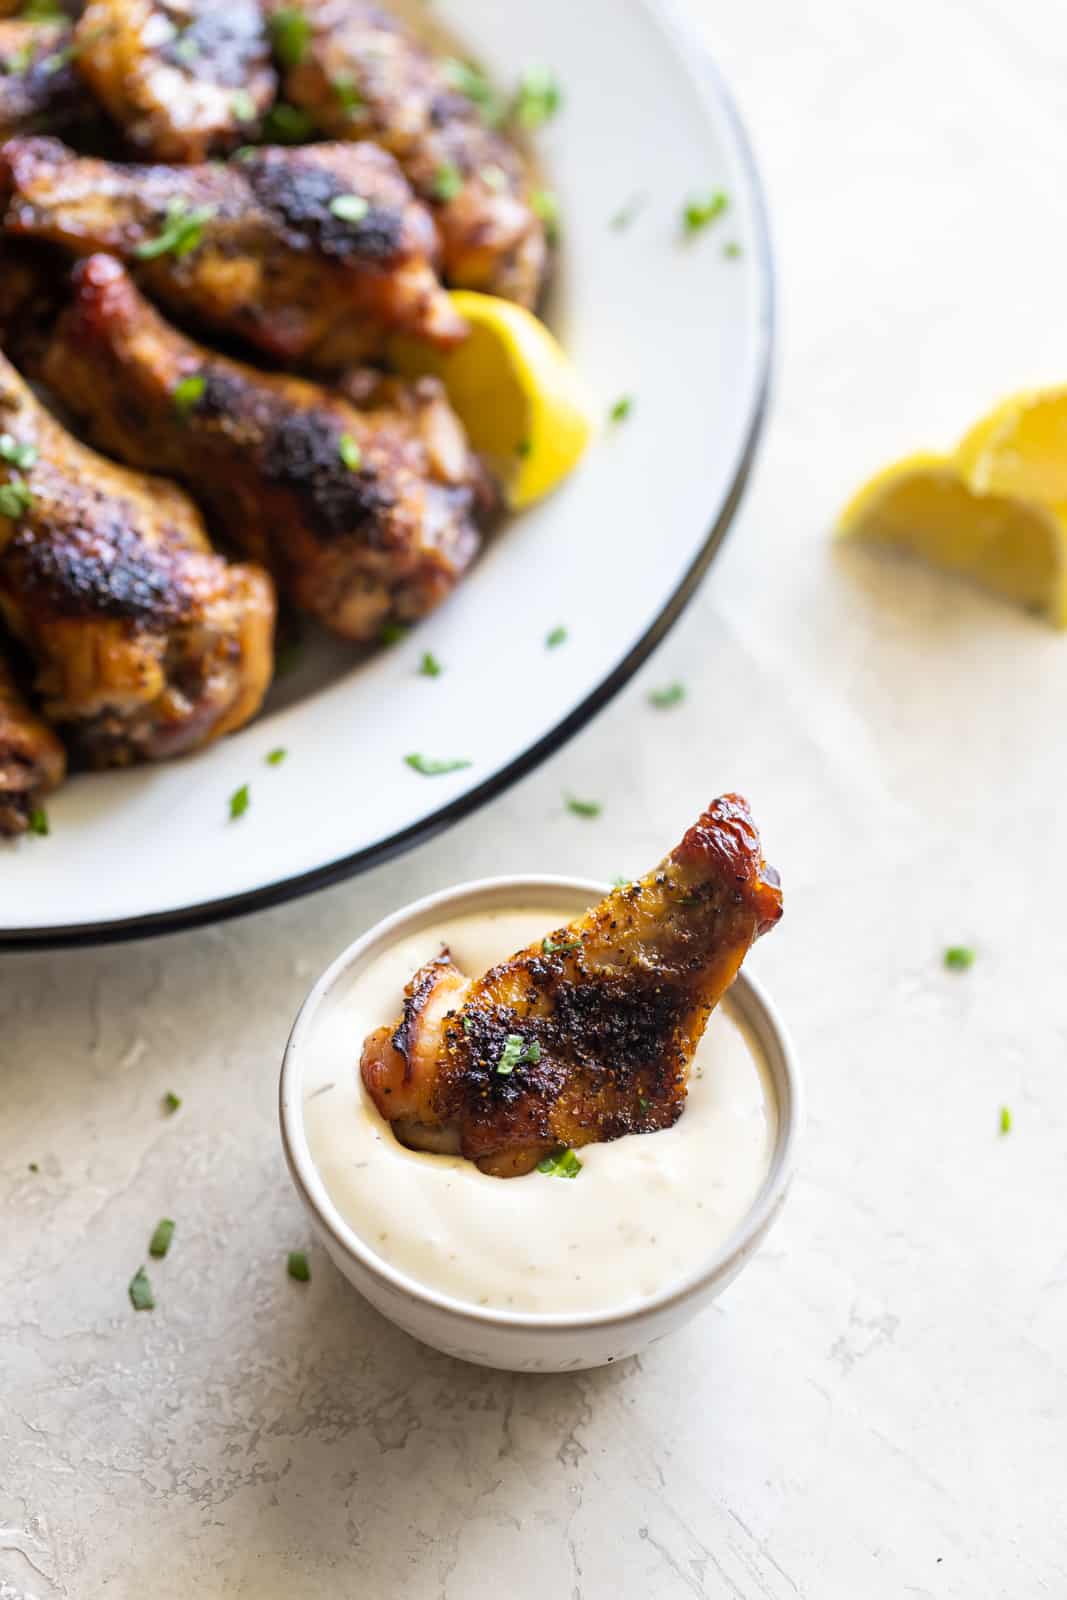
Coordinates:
<point>643,1213</point>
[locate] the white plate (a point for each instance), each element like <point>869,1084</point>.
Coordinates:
<point>613,556</point>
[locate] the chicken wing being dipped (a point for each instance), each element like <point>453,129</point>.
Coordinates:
<point>32,760</point>
<point>588,1034</point>
<point>145,643</point>
<point>313,255</point>
<point>184,79</point>
<point>360,74</point>
<point>364,515</point>
<point>39,87</point>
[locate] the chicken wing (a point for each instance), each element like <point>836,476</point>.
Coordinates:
<point>184,79</point>
<point>145,643</point>
<point>360,74</point>
<point>363,515</point>
<point>39,87</point>
<point>313,255</point>
<point>32,760</point>
<point>588,1034</point>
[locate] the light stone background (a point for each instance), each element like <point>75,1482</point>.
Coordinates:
<point>876,1409</point>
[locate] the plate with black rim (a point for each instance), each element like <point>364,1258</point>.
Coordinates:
<point>678,320</point>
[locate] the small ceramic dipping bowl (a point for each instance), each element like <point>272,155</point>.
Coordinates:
<point>519,1341</point>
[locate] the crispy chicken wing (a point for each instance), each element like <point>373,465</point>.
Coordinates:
<point>32,760</point>
<point>587,1035</point>
<point>39,87</point>
<point>146,644</point>
<point>360,74</point>
<point>265,256</point>
<point>184,79</point>
<point>363,515</point>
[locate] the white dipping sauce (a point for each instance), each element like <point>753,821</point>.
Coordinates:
<point>644,1211</point>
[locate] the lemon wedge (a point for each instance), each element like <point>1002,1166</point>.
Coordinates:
<point>994,511</point>
<point>513,387</point>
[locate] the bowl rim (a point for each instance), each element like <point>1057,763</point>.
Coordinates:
<point>758,1010</point>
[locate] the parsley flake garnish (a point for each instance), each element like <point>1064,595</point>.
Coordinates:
<point>42,11</point>
<point>290,35</point>
<point>561,947</point>
<point>429,666</point>
<point>557,637</point>
<point>171,1102</point>
<point>672,695</point>
<point>18,63</point>
<point>429,768</point>
<point>243,106</point>
<point>538,99</point>
<point>473,83</point>
<point>1005,1119</point>
<point>140,1292</point>
<point>447,182</point>
<point>560,1164</point>
<point>15,498</point>
<point>297,1266</point>
<point>622,408</point>
<point>392,633</point>
<point>629,212</point>
<point>349,207</point>
<point>239,802</point>
<point>188,393</point>
<point>701,212</point>
<point>34,1167</point>
<point>621,883</point>
<point>180,234</point>
<point>274,758</point>
<point>959,957</point>
<point>583,808</point>
<point>350,453</point>
<point>38,821</point>
<point>545,205</point>
<point>731,250</point>
<point>517,1053</point>
<point>286,124</point>
<point>494,177</point>
<point>159,1243</point>
<point>346,89</point>
<point>23,456</point>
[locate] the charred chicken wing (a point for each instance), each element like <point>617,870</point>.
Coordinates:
<point>363,514</point>
<point>32,760</point>
<point>587,1035</point>
<point>313,255</point>
<point>145,643</point>
<point>360,74</point>
<point>39,87</point>
<point>184,79</point>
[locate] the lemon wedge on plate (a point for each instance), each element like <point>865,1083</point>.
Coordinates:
<point>516,392</point>
<point>994,511</point>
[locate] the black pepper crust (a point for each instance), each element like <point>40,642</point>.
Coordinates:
<point>104,569</point>
<point>301,196</point>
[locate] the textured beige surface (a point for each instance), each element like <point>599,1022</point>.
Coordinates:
<point>877,1407</point>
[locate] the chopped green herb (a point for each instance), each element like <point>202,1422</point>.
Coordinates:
<point>538,99</point>
<point>699,213</point>
<point>1005,1119</point>
<point>622,408</point>
<point>346,89</point>
<point>545,205</point>
<point>642,1102</point>
<point>393,632</point>
<point>958,957</point>
<point>429,666</point>
<point>243,106</point>
<point>159,1243</point>
<point>140,1291</point>
<point>562,947</point>
<point>188,393</point>
<point>629,212</point>
<point>186,49</point>
<point>15,498</point>
<point>180,234</point>
<point>245,152</point>
<point>287,657</point>
<point>429,768</point>
<point>560,1164</point>
<point>297,1266</point>
<point>493,177</point>
<point>583,808</point>
<point>621,883</point>
<point>516,1053</point>
<point>350,453</point>
<point>239,802</point>
<point>555,638</point>
<point>23,456</point>
<point>349,207</point>
<point>672,695</point>
<point>274,758</point>
<point>17,63</point>
<point>731,250</point>
<point>473,83</point>
<point>290,35</point>
<point>524,448</point>
<point>468,1024</point>
<point>38,821</point>
<point>447,182</point>
<point>42,11</point>
<point>171,1102</point>
<point>286,124</point>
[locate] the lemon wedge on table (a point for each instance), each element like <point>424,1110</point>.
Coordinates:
<point>995,510</point>
<point>515,390</point>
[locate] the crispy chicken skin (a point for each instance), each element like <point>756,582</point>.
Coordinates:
<point>32,760</point>
<point>183,79</point>
<point>363,515</point>
<point>363,75</point>
<point>608,1011</point>
<point>39,87</point>
<point>146,644</point>
<point>270,262</point>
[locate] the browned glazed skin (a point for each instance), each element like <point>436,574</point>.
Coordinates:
<point>174,75</point>
<point>492,238</point>
<point>32,761</point>
<point>274,265</point>
<point>39,87</point>
<point>264,455</point>
<point>145,643</point>
<point>617,1013</point>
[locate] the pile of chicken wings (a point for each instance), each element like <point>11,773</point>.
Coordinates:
<point>213,218</point>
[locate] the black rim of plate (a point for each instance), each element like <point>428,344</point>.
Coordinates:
<point>272,894</point>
